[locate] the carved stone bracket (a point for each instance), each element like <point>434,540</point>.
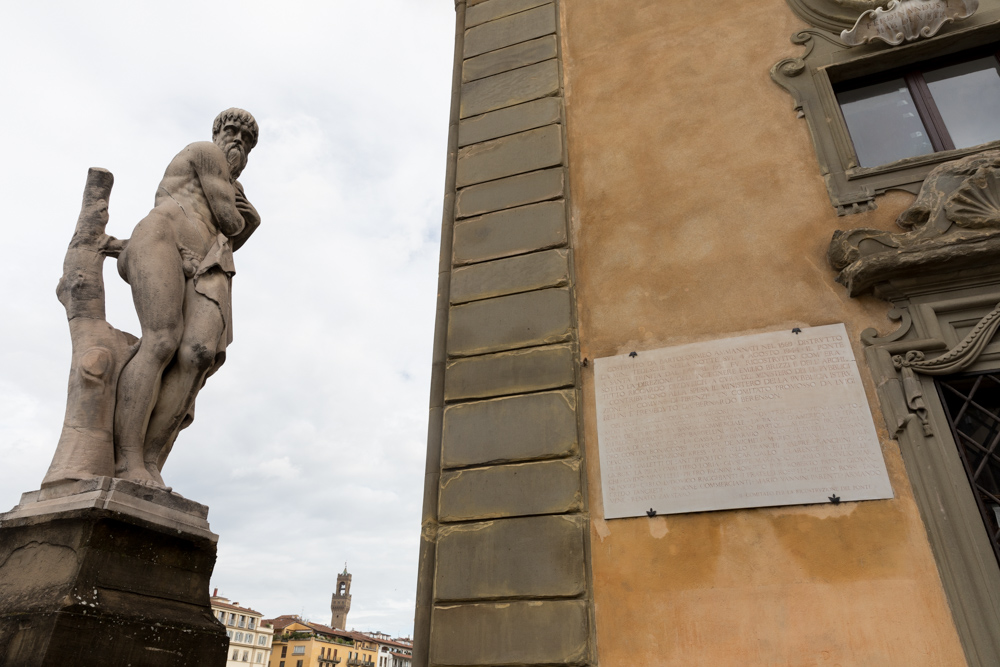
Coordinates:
<point>871,337</point>
<point>953,224</point>
<point>907,20</point>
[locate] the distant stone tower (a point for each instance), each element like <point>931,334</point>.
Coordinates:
<point>341,602</point>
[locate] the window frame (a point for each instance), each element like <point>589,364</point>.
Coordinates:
<point>811,79</point>
<point>935,314</point>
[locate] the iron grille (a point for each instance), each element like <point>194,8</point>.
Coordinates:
<point>972,403</point>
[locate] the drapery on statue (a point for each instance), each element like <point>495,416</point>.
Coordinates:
<point>129,398</point>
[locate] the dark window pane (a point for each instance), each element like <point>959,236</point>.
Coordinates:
<point>972,403</point>
<point>968,97</point>
<point>884,123</point>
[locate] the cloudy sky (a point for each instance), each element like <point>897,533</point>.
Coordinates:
<point>308,445</point>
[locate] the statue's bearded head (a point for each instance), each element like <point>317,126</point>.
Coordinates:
<point>235,132</point>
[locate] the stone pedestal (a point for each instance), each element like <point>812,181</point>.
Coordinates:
<point>107,572</point>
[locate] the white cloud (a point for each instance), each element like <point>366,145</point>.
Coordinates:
<point>308,444</point>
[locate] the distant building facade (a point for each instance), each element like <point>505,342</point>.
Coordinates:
<point>299,643</point>
<point>249,637</point>
<point>340,604</point>
<point>392,652</point>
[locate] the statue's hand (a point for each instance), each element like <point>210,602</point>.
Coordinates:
<point>112,247</point>
<point>251,218</point>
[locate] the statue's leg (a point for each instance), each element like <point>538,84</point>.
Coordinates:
<point>156,276</point>
<point>196,356</point>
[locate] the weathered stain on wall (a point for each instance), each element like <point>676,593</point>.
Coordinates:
<point>699,212</point>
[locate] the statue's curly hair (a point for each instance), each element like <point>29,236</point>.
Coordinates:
<point>242,117</point>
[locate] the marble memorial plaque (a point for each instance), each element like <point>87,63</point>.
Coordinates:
<point>755,421</point>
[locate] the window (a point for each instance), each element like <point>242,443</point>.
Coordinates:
<point>261,640</point>
<point>229,633</point>
<point>883,118</point>
<point>936,106</point>
<point>298,663</point>
<point>250,622</point>
<point>222,616</point>
<point>232,619</point>
<point>260,657</point>
<point>284,651</point>
<point>243,620</point>
<point>236,655</point>
<point>246,656</point>
<point>299,650</point>
<point>282,662</point>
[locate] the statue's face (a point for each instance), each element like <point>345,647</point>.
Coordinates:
<point>233,139</point>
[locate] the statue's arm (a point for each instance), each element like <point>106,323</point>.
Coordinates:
<point>250,217</point>
<point>213,174</point>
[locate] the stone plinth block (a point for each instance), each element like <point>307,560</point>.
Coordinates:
<point>107,572</point>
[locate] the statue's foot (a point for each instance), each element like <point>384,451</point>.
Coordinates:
<point>154,472</point>
<point>153,484</point>
<point>142,477</point>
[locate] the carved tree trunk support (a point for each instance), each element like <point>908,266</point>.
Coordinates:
<point>86,446</point>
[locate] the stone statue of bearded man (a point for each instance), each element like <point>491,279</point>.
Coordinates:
<point>179,264</point>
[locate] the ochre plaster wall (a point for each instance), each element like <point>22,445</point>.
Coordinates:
<point>698,212</point>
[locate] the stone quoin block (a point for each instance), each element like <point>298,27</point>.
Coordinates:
<point>524,273</point>
<point>511,57</point>
<point>511,232</point>
<point>509,192</point>
<point>510,322</point>
<point>521,489</point>
<point>510,633</point>
<point>539,556</point>
<point>518,428</point>
<point>509,30</point>
<point>510,88</point>
<point>517,372</point>
<point>507,156</point>
<point>490,10</point>
<point>510,120</point>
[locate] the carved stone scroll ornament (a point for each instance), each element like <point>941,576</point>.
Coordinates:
<point>953,224</point>
<point>954,360</point>
<point>907,20</point>
<point>832,15</point>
